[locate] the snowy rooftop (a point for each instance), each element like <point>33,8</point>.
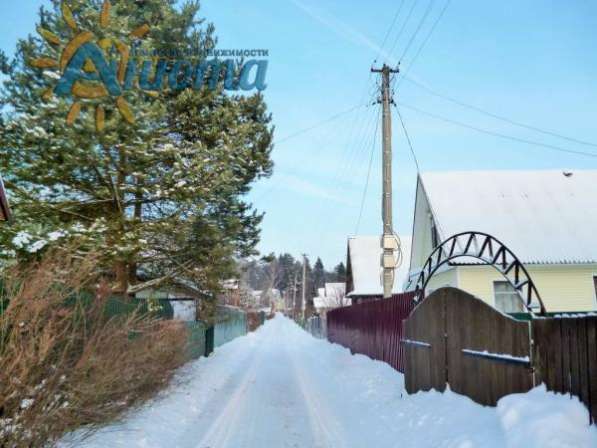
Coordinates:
<point>330,302</point>
<point>331,296</point>
<point>365,260</point>
<point>543,216</point>
<point>334,289</point>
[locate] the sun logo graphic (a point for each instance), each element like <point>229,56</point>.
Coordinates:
<point>88,75</point>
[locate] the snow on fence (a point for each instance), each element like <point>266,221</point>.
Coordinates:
<point>372,328</point>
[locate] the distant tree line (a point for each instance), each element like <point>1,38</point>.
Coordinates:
<point>285,273</point>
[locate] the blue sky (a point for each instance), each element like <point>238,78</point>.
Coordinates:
<point>531,61</point>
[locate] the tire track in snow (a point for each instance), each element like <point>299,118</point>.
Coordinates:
<point>307,420</point>
<point>227,422</point>
<point>326,428</point>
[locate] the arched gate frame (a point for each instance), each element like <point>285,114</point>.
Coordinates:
<point>491,251</point>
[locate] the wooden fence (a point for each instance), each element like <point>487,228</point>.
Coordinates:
<point>565,357</point>
<point>454,338</point>
<point>372,328</point>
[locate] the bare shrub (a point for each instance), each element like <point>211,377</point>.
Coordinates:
<point>65,365</point>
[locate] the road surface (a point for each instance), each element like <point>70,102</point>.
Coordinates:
<point>280,387</point>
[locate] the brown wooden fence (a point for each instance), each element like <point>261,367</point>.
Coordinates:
<point>425,347</point>
<point>565,357</point>
<point>454,338</point>
<point>372,328</point>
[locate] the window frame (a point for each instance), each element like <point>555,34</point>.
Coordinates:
<point>434,235</point>
<point>509,293</point>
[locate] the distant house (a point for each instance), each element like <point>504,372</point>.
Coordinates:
<point>363,268</point>
<point>547,218</point>
<point>182,297</point>
<point>263,299</point>
<point>4,208</point>
<point>333,295</point>
<point>231,292</point>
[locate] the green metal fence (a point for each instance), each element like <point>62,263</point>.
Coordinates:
<point>114,306</point>
<point>196,339</point>
<point>230,324</point>
<point>161,309</point>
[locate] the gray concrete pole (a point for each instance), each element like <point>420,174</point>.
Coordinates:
<point>387,263</point>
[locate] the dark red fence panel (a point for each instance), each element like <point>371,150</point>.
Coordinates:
<point>373,328</point>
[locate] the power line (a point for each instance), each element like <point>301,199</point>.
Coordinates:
<point>410,13</point>
<point>419,26</point>
<point>358,150</point>
<point>356,139</point>
<point>368,177</point>
<point>358,132</point>
<point>426,40</point>
<point>319,124</point>
<point>412,151</point>
<point>498,134</point>
<point>499,117</point>
<point>347,167</point>
<point>385,39</point>
<point>303,131</point>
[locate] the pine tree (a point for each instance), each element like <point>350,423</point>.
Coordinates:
<point>163,191</point>
<point>288,273</point>
<point>309,281</point>
<point>340,273</point>
<point>318,274</point>
<point>311,290</point>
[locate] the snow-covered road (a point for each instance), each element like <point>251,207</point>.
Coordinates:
<point>279,387</point>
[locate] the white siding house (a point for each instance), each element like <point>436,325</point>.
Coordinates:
<point>333,295</point>
<point>363,267</point>
<point>547,218</point>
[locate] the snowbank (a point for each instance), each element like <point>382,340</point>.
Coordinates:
<point>543,419</point>
<point>280,387</point>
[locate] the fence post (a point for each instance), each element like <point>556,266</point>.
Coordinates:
<point>209,340</point>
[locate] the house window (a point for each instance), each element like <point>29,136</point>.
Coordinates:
<point>506,297</point>
<point>434,237</point>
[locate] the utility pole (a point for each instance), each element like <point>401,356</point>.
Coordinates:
<point>304,302</point>
<point>294,296</point>
<point>389,242</point>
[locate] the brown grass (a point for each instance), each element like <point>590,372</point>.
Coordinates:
<point>63,364</point>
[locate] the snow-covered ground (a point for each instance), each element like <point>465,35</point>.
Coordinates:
<point>280,387</point>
